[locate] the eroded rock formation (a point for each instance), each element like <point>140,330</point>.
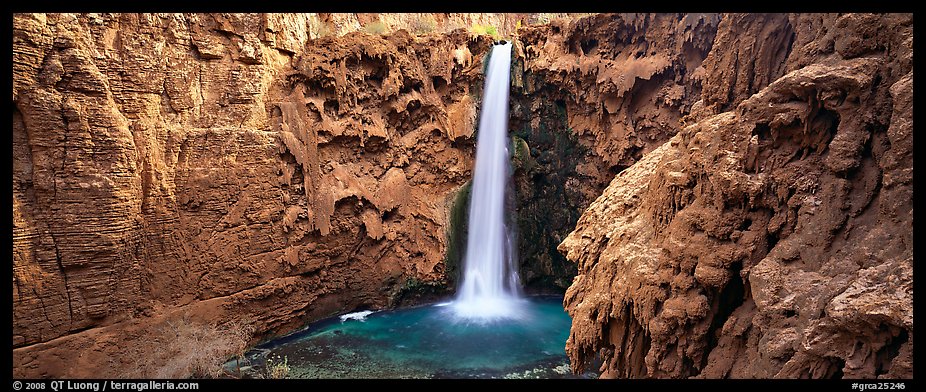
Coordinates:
<point>224,167</point>
<point>589,98</point>
<point>772,236</point>
<point>277,169</point>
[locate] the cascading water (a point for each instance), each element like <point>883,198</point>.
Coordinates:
<point>491,287</point>
<point>527,340</point>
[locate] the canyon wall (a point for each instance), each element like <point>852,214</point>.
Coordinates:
<point>771,237</point>
<point>224,167</point>
<point>589,98</point>
<point>258,171</point>
<point>504,24</point>
<point>276,169</point>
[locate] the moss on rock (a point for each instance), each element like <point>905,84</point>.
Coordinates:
<point>456,233</point>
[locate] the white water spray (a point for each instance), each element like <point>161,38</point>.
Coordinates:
<point>491,287</point>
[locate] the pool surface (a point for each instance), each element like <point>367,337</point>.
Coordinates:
<point>424,342</point>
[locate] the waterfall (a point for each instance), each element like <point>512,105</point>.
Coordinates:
<point>491,287</point>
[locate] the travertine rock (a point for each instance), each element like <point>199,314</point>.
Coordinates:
<point>773,239</point>
<point>280,168</point>
<point>223,166</point>
<point>590,97</point>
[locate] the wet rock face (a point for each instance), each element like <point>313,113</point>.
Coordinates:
<point>224,167</point>
<point>771,237</point>
<point>589,99</point>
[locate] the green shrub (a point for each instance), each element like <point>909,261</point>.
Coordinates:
<point>376,27</point>
<point>521,154</point>
<point>482,30</point>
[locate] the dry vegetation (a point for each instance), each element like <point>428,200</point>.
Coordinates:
<point>276,368</point>
<point>185,349</point>
<point>424,24</point>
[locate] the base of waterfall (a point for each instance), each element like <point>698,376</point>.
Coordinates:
<point>430,341</point>
<point>489,309</point>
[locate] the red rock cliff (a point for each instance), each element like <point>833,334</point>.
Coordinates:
<point>223,167</point>
<point>772,235</point>
<point>282,168</point>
